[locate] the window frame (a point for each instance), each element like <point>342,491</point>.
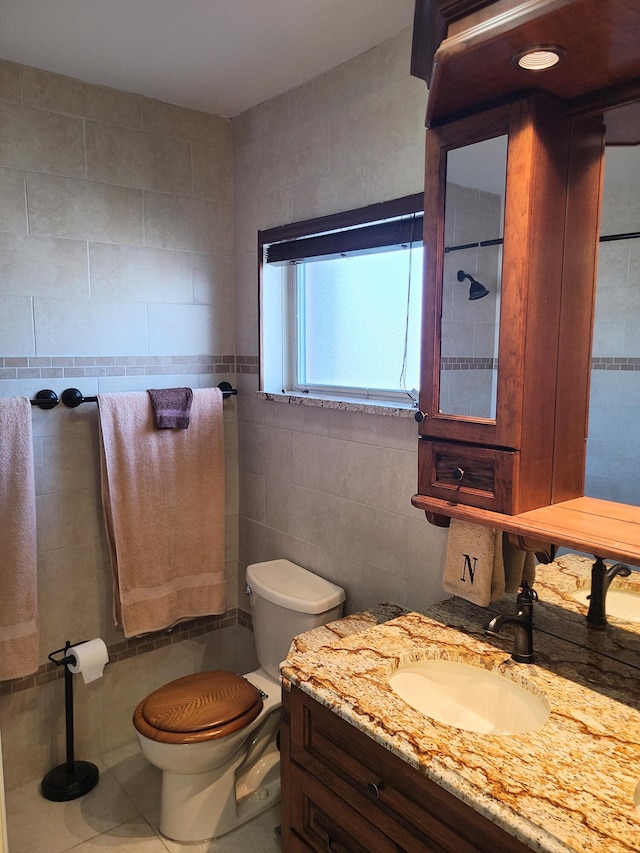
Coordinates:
<point>350,219</point>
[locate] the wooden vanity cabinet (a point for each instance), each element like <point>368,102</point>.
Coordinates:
<point>343,792</point>
<point>530,451</point>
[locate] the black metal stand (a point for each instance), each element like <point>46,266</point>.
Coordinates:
<point>72,779</point>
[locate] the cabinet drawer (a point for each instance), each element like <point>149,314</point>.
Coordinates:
<point>463,473</point>
<point>326,823</point>
<point>397,800</point>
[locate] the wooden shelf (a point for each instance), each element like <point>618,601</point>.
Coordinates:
<point>597,527</point>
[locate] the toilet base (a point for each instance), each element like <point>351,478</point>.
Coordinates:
<point>207,805</point>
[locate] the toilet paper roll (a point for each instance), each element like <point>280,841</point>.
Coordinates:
<point>90,659</point>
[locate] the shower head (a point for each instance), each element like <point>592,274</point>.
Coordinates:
<point>476,290</point>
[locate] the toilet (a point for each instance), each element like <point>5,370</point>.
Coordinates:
<point>214,734</point>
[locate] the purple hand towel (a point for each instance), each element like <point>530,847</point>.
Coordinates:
<point>171,407</point>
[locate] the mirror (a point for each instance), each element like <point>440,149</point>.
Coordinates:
<point>474,216</point>
<point>613,453</point>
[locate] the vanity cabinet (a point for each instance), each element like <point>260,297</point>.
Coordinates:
<point>343,792</point>
<point>512,197</point>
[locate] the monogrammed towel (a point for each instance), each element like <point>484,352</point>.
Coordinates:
<point>474,567</point>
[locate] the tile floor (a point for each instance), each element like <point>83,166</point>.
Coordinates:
<point>121,814</point>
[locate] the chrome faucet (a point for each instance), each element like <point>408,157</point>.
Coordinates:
<point>601,578</point>
<point>522,624</point>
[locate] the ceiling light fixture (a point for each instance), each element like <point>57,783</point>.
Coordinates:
<point>539,58</point>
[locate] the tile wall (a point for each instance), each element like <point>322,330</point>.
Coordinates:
<point>326,488</point>
<point>613,461</point>
<point>116,273</point>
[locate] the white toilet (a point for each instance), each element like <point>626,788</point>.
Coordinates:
<point>213,734</point>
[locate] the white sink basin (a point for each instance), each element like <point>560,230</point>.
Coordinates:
<point>469,697</point>
<point>621,603</point>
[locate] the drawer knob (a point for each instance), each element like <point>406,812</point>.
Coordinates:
<point>458,474</point>
<point>374,788</point>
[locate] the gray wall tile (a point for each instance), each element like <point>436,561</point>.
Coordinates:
<point>42,141</point>
<point>92,327</point>
<point>13,208</point>
<point>87,210</point>
<point>17,326</point>
<point>140,274</point>
<point>181,222</point>
<point>134,158</point>
<point>160,117</point>
<point>43,266</point>
<point>66,95</point>
<point>10,84</point>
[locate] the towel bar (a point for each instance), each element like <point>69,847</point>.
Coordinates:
<point>71,397</point>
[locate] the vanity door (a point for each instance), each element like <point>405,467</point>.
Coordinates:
<point>502,339</point>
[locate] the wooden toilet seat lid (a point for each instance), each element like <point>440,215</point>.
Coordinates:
<point>198,707</point>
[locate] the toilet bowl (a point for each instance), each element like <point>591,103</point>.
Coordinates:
<point>214,734</point>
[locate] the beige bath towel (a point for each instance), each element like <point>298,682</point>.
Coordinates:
<point>163,499</point>
<point>19,640</point>
<point>518,566</point>
<point>474,567</point>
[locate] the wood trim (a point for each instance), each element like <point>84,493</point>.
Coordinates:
<point>532,338</point>
<point>612,97</point>
<point>429,29</point>
<point>439,141</point>
<point>465,15</point>
<point>473,68</point>
<point>496,22</point>
<point>344,219</point>
<point>579,273</point>
<point>451,10</point>
<point>604,528</point>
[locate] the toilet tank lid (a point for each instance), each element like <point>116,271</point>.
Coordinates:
<point>288,585</point>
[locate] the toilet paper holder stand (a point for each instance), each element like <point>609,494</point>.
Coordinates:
<point>72,779</point>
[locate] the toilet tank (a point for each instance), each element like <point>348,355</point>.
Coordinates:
<point>287,600</point>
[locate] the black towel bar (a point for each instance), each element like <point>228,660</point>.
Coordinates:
<point>71,397</point>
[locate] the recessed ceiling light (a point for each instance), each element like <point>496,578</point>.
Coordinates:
<point>539,58</point>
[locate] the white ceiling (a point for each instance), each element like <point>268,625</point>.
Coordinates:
<point>221,56</point>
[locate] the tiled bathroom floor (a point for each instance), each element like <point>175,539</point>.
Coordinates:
<point>121,814</point>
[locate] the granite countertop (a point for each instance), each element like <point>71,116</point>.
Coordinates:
<point>567,786</point>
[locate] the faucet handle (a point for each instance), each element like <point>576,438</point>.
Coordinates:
<point>526,594</point>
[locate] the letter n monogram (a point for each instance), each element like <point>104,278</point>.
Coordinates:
<point>468,567</point>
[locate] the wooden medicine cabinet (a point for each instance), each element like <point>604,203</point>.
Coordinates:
<point>465,50</point>
<point>512,197</point>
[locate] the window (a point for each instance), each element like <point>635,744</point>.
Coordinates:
<point>341,304</point>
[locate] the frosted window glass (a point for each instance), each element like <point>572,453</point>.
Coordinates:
<point>353,313</point>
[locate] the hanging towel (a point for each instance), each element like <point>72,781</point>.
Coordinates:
<point>171,407</point>
<point>163,500</point>
<point>518,566</point>
<point>19,639</point>
<point>474,567</point>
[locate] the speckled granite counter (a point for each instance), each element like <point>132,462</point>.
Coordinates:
<point>568,786</point>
